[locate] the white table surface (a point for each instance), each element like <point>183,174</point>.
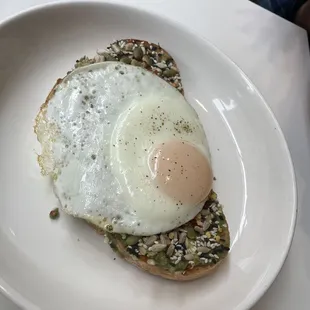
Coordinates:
<point>275,55</point>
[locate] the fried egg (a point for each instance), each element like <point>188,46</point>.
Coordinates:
<point>125,150</point>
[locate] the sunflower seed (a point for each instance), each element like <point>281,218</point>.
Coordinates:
<point>157,70</point>
<point>205,212</point>
<point>150,240</point>
<point>101,52</point>
<point>147,60</point>
<point>161,65</point>
<point>115,48</point>
<point>176,235</point>
<point>99,58</point>
<point>187,244</point>
<point>122,44</point>
<point>170,250</point>
<point>199,223</point>
<point>142,251</point>
<point>199,229</point>
<point>128,47</point>
<point>151,262</point>
<point>189,256</point>
<point>206,225</point>
<point>163,239</point>
<point>168,241</point>
<point>157,247</point>
<point>182,237</point>
<point>203,249</point>
<point>143,49</point>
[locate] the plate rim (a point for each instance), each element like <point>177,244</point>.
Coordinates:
<point>15,296</point>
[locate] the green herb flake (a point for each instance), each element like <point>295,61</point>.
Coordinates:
<point>54,214</point>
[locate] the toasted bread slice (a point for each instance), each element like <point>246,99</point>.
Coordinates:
<point>198,247</point>
<point>194,249</point>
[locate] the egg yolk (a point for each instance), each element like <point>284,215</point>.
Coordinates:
<point>181,171</point>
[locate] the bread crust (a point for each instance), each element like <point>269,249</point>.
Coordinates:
<point>189,275</point>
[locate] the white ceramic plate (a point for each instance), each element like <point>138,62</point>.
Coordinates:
<point>63,264</point>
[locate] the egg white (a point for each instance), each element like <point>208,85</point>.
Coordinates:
<point>97,132</point>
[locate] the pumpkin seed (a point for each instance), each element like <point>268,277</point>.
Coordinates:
<point>191,234</point>
<point>180,266</point>
<point>126,60</point>
<point>136,63</point>
<point>131,240</point>
<point>170,250</point>
<point>138,53</point>
<point>213,196</point>
<point>171,235</point>
<point>108,57</point>
<point>158,247</point>
<point>161,259</point>
<point>169,72</point>
<point>165,57</point>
